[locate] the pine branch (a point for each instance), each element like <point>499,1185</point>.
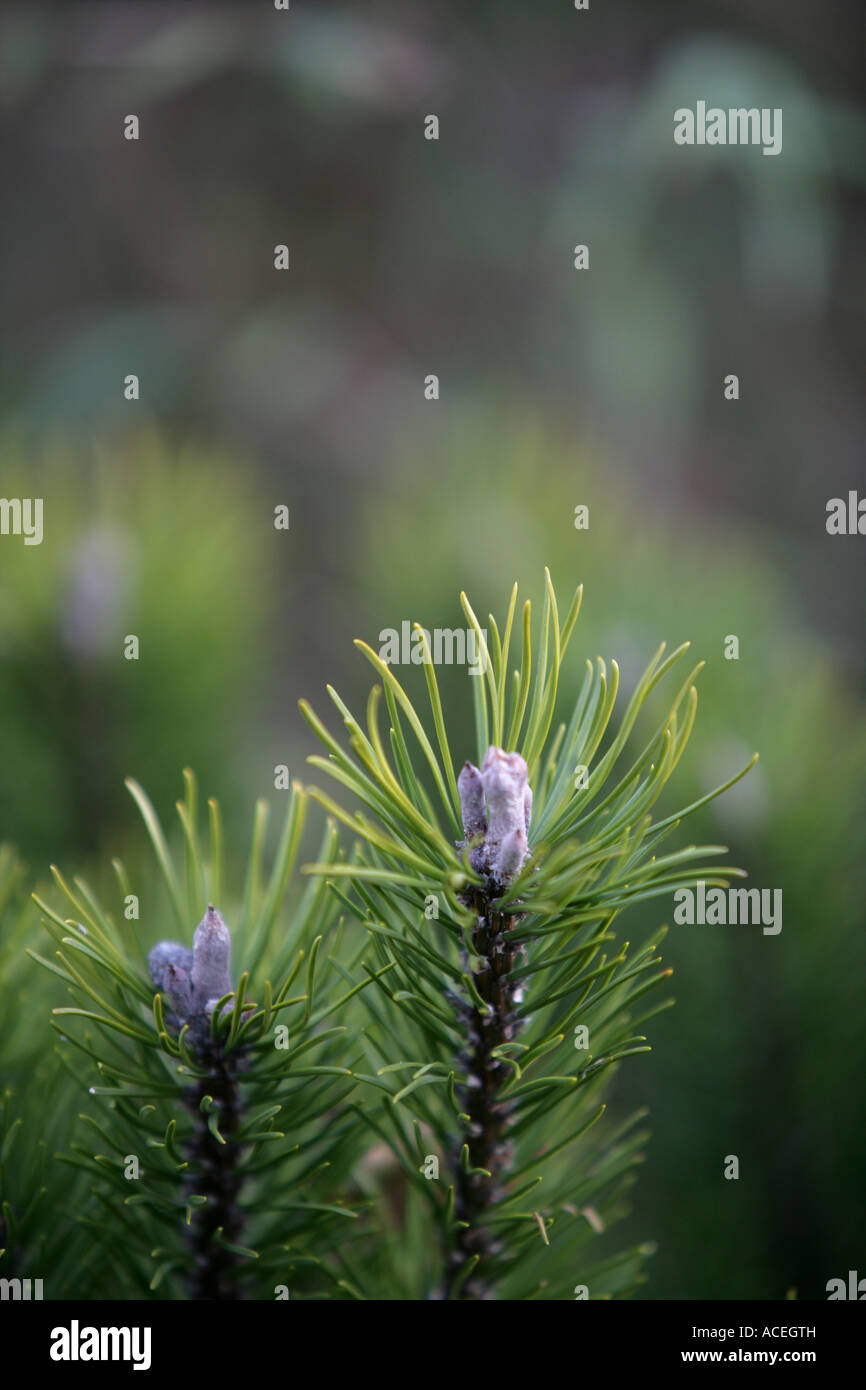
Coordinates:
<point>204,1195</point>
<point>478,998</point>
<point>216,1174</point>
<point>490,1024</point>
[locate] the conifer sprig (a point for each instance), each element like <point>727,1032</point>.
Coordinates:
<point>221,1155</point>
<point>496,964</point>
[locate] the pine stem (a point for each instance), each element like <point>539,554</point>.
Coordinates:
<point>214,1174</point>
<point>489,1115</point>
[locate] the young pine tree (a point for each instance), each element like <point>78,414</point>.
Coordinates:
<point>218,1066</point>
<point>504,998</point>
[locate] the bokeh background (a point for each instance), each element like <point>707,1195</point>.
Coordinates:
<point>557,388</point>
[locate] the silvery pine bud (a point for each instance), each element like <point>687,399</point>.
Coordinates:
<point>512,852</point>
<point>496,803</point>
<point>471,791</point>
<point>504,778</point>
<point>178,987</point>
<point>211,950</point>
<point>195,980</point>
<point>164,954</point>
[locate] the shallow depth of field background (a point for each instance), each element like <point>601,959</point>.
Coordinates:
<point>557,388</point>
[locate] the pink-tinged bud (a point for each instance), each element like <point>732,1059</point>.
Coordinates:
<point>512,852</point>
<point>211,950</point>
<point>527,805</point>
<point>471,791</point>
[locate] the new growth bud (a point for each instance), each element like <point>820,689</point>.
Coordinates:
<point>496,803</point>
<point>471,790</point>
<point>165,954</point>
<point>195,980</point>
<point>211,950</point>
<point>178,987</point>
<point>512,853</point>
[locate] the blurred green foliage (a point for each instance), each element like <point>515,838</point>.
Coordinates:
<point>138,540</point>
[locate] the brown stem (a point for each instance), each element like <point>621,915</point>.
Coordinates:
<point>214,1174</point>
<point>489,1115</point>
